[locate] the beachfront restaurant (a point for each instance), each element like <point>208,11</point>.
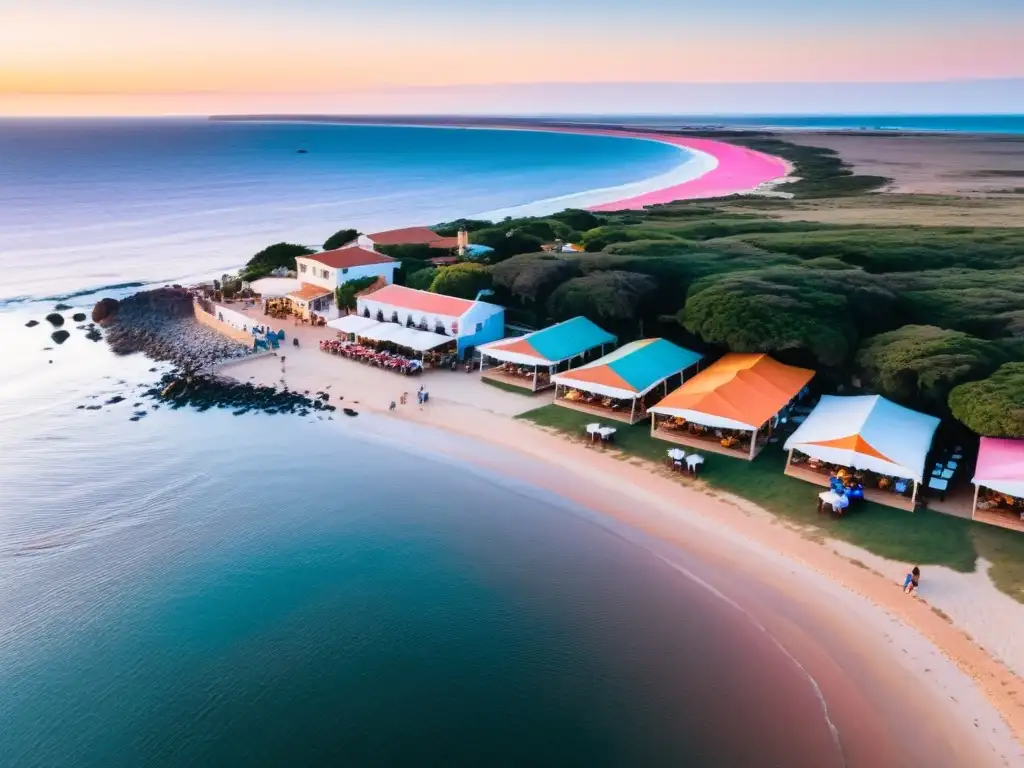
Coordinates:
<point>999,483</point>
<point>732,406</point>
<point>309,299</point>
<point>530,361</point>
<point>392,336</point>
<point>623,383</point>
<point>864,440</point>
<point>469,323</point>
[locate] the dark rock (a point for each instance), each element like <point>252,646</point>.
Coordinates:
<point>31,323</point>
<point>78,317</point>
<point>152,370</point>
<point>301,151</point>
<point>139,414</point>
<point>105,310</point>
<point>62,307</point>
<point>134,418</point>
<point>79,407</point>
<point>55,319</point>
<point>93,334</point>
<point>114,400</point>
<point>47,349</point>
<point>60,336</point>
<point>93,407</point>
<point>350,412</point>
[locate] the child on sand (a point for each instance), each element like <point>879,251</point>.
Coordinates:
<point>912,581</point>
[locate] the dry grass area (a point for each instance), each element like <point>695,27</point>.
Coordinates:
<point>1003,210</point>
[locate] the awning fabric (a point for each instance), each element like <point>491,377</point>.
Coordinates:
<point>551,345</point>
<point>1001,465</point>
<point>630,371</point>
<point>740,391</point>
<point>411,338</point>
<point>352,323</point>
<point>867,432</point>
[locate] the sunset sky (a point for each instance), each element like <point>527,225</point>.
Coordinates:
<point>125,56</point>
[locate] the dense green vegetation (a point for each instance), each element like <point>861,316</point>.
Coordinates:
<point>911,312</point>
<point>345,295</point>
<point>339,238</point>
<point>464,280</point>
<point>273,257</point>
<point>992,406</point>
<point>927,538</point>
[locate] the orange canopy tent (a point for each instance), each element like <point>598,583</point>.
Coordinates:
<point>740,391</point>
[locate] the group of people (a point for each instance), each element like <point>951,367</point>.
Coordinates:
<point>422,396</point>
<point>387,360</point>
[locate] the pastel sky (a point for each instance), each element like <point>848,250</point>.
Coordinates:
<point>298,53</point>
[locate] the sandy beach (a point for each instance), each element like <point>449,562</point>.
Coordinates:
<point>903,681</point>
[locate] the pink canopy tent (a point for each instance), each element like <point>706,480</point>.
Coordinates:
<point>1000,467</point>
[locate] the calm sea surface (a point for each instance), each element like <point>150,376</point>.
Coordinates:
<point>199,589</point>
<point>93,203</point>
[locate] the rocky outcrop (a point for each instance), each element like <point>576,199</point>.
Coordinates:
<point>161,324</point>
<point>55,319</point>
<point>104,310</point>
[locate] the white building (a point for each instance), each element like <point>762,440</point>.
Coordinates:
<point>469,323</point>
<point>321,273</point>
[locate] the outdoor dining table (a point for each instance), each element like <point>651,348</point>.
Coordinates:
<point>676,454</point>
<point>834,500</point>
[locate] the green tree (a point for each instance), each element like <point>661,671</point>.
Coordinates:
<point>506,242</point>
<point>345,294</point>
<point>421,278</point>
<point>464,280</point>
<point>614,298</point>
<point>340,238</point>
<point>272,257</point>
<point>531,277</point>
<point>993,407</point>
<point>577,219</point>
<point>920,364</point>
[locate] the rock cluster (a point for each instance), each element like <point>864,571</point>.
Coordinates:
<point>202,392</point>
<point>161,324</point>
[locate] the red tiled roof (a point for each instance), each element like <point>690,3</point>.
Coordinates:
<point>413,236</point>
<point>353,256</point>
<point>308,291</point>
<point>422,301</point>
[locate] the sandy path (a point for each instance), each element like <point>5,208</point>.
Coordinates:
<point>878,655</point>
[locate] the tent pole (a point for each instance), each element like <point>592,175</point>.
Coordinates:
<point>789,458</point>
<point>753,443</point>
<point>535,378</point>
<point>974,507</point>
<point>632,411</point>
<point>913,499</point>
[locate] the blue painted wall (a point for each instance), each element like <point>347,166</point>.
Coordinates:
<point>492,330</point>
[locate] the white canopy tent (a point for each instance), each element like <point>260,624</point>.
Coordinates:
<point>867,432</point>
<point>352,323</point>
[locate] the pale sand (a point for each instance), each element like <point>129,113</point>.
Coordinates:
<point>891,669</point>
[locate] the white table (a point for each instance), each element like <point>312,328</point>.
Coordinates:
<point>676,454</point>
<point>938,483</point>
<point>834,500</point>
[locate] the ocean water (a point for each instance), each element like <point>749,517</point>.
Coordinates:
<point>985,124</point>
<point>85,204</point>
<point>196,589</point>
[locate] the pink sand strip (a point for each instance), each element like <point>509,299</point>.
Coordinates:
<point>739,169</point>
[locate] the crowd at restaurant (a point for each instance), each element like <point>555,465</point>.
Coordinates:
<point>380,359</point>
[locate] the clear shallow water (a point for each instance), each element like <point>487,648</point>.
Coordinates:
<point>100,202</point>
<point>200,589</point>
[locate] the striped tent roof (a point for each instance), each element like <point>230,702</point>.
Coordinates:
<point>630,371</point>
<point>551,345</point>
<point>867,432</point>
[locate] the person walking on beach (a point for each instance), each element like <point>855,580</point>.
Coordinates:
<point>912,581</point>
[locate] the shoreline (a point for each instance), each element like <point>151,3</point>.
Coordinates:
<point>722,168</point>
<point>758,547</point>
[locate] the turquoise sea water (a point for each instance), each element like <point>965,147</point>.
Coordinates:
<point>204,590</point>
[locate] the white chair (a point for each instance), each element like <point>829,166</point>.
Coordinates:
<point>693,461</point>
